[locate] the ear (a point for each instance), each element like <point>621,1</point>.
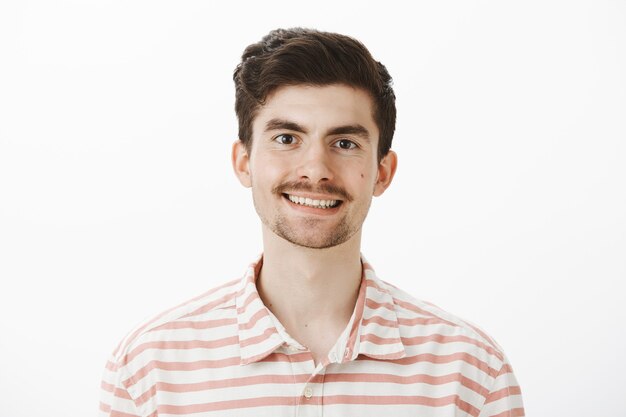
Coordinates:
<point>386,171</point>
<point>241,163</point>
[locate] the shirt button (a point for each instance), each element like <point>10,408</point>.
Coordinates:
<point>308,392</point>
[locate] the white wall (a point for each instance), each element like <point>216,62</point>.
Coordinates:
<point>509,206</point>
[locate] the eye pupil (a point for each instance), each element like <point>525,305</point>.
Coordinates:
<point>286,139</point>
<point>345,144</point>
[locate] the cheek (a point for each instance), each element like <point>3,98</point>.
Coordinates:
<point>366,175</point>
<point>267,169</point>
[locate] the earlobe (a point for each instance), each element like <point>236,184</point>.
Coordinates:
<point>386,171</point>
<point>241,163</point>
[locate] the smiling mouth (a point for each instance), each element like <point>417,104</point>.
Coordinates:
<point>309,202</point>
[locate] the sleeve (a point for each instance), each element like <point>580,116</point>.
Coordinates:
<point>505,397</point>
<point>115,401</point>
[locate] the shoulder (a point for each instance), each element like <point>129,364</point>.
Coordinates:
<point>446,347</point>
<point>423,321</point>
<point>213,307</point>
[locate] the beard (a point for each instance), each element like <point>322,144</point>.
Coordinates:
<point>308,232</point>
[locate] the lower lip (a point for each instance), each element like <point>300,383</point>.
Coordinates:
<point>312,210</point>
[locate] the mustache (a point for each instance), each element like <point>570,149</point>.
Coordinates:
<point>322,188</point>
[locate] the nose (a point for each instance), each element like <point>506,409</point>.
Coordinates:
<point>315,164</point>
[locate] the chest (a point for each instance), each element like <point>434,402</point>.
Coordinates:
<point>289,384</point>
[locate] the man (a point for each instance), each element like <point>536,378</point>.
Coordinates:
<point>310,330</point>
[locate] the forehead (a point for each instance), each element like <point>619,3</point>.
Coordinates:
<point>318,107</point>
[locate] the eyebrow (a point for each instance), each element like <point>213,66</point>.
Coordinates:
<point>355,129</point>
<point>280,124</point>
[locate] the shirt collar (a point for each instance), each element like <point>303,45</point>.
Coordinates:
<point>372,331</point>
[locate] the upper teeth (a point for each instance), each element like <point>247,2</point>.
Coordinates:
<point>313,203</point>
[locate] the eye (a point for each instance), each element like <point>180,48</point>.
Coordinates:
<point>345,144</point>
<point>285,139</point>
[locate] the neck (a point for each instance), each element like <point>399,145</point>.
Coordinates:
<point>304,287</point>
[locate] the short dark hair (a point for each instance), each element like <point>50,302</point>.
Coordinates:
<point>307,56</point>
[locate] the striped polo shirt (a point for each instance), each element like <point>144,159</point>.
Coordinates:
<point>225,354</point>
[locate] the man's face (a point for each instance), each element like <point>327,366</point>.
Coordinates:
<point>313,165</point>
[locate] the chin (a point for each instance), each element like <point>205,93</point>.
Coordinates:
<point>336,238</point>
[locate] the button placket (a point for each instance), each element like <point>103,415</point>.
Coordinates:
<point>310,403</point>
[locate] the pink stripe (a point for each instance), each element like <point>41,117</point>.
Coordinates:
<point>259,356</point>
<point>106,386</point>
<point>516,412</point>
<point>422,321</point>
<point>386,356</point>
<point>182,344</point>
<point>267,333</point>
<point>180,366</point>
<point>413,379</point>
<point>249,299</point>
<point>482,334</point>
<point>373,284</point>
<point>234,382</point>
<point>438,338</point>
<point>460,356</point>
<point>111,366</point>
<point>375,305</point>
<point>401,399</point>
<point>197,325</point>
<point>474,386</point>
<point>226,298</point>
<point>146,325</point>
<point>223,383</point>
<point>377,340</point>
<point>254,319</point>
<point>416,309</point>
<point>380,321</point>
<point>504,392</point>
<point>226,405</point>
<point>121,393</point>
<point>389,284</point>
<point>488,339</point>
<point>294,357</point>
<point>105,407</point>
<point>122,414</point>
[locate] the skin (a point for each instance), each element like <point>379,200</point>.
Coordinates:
<point>318,143</point>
